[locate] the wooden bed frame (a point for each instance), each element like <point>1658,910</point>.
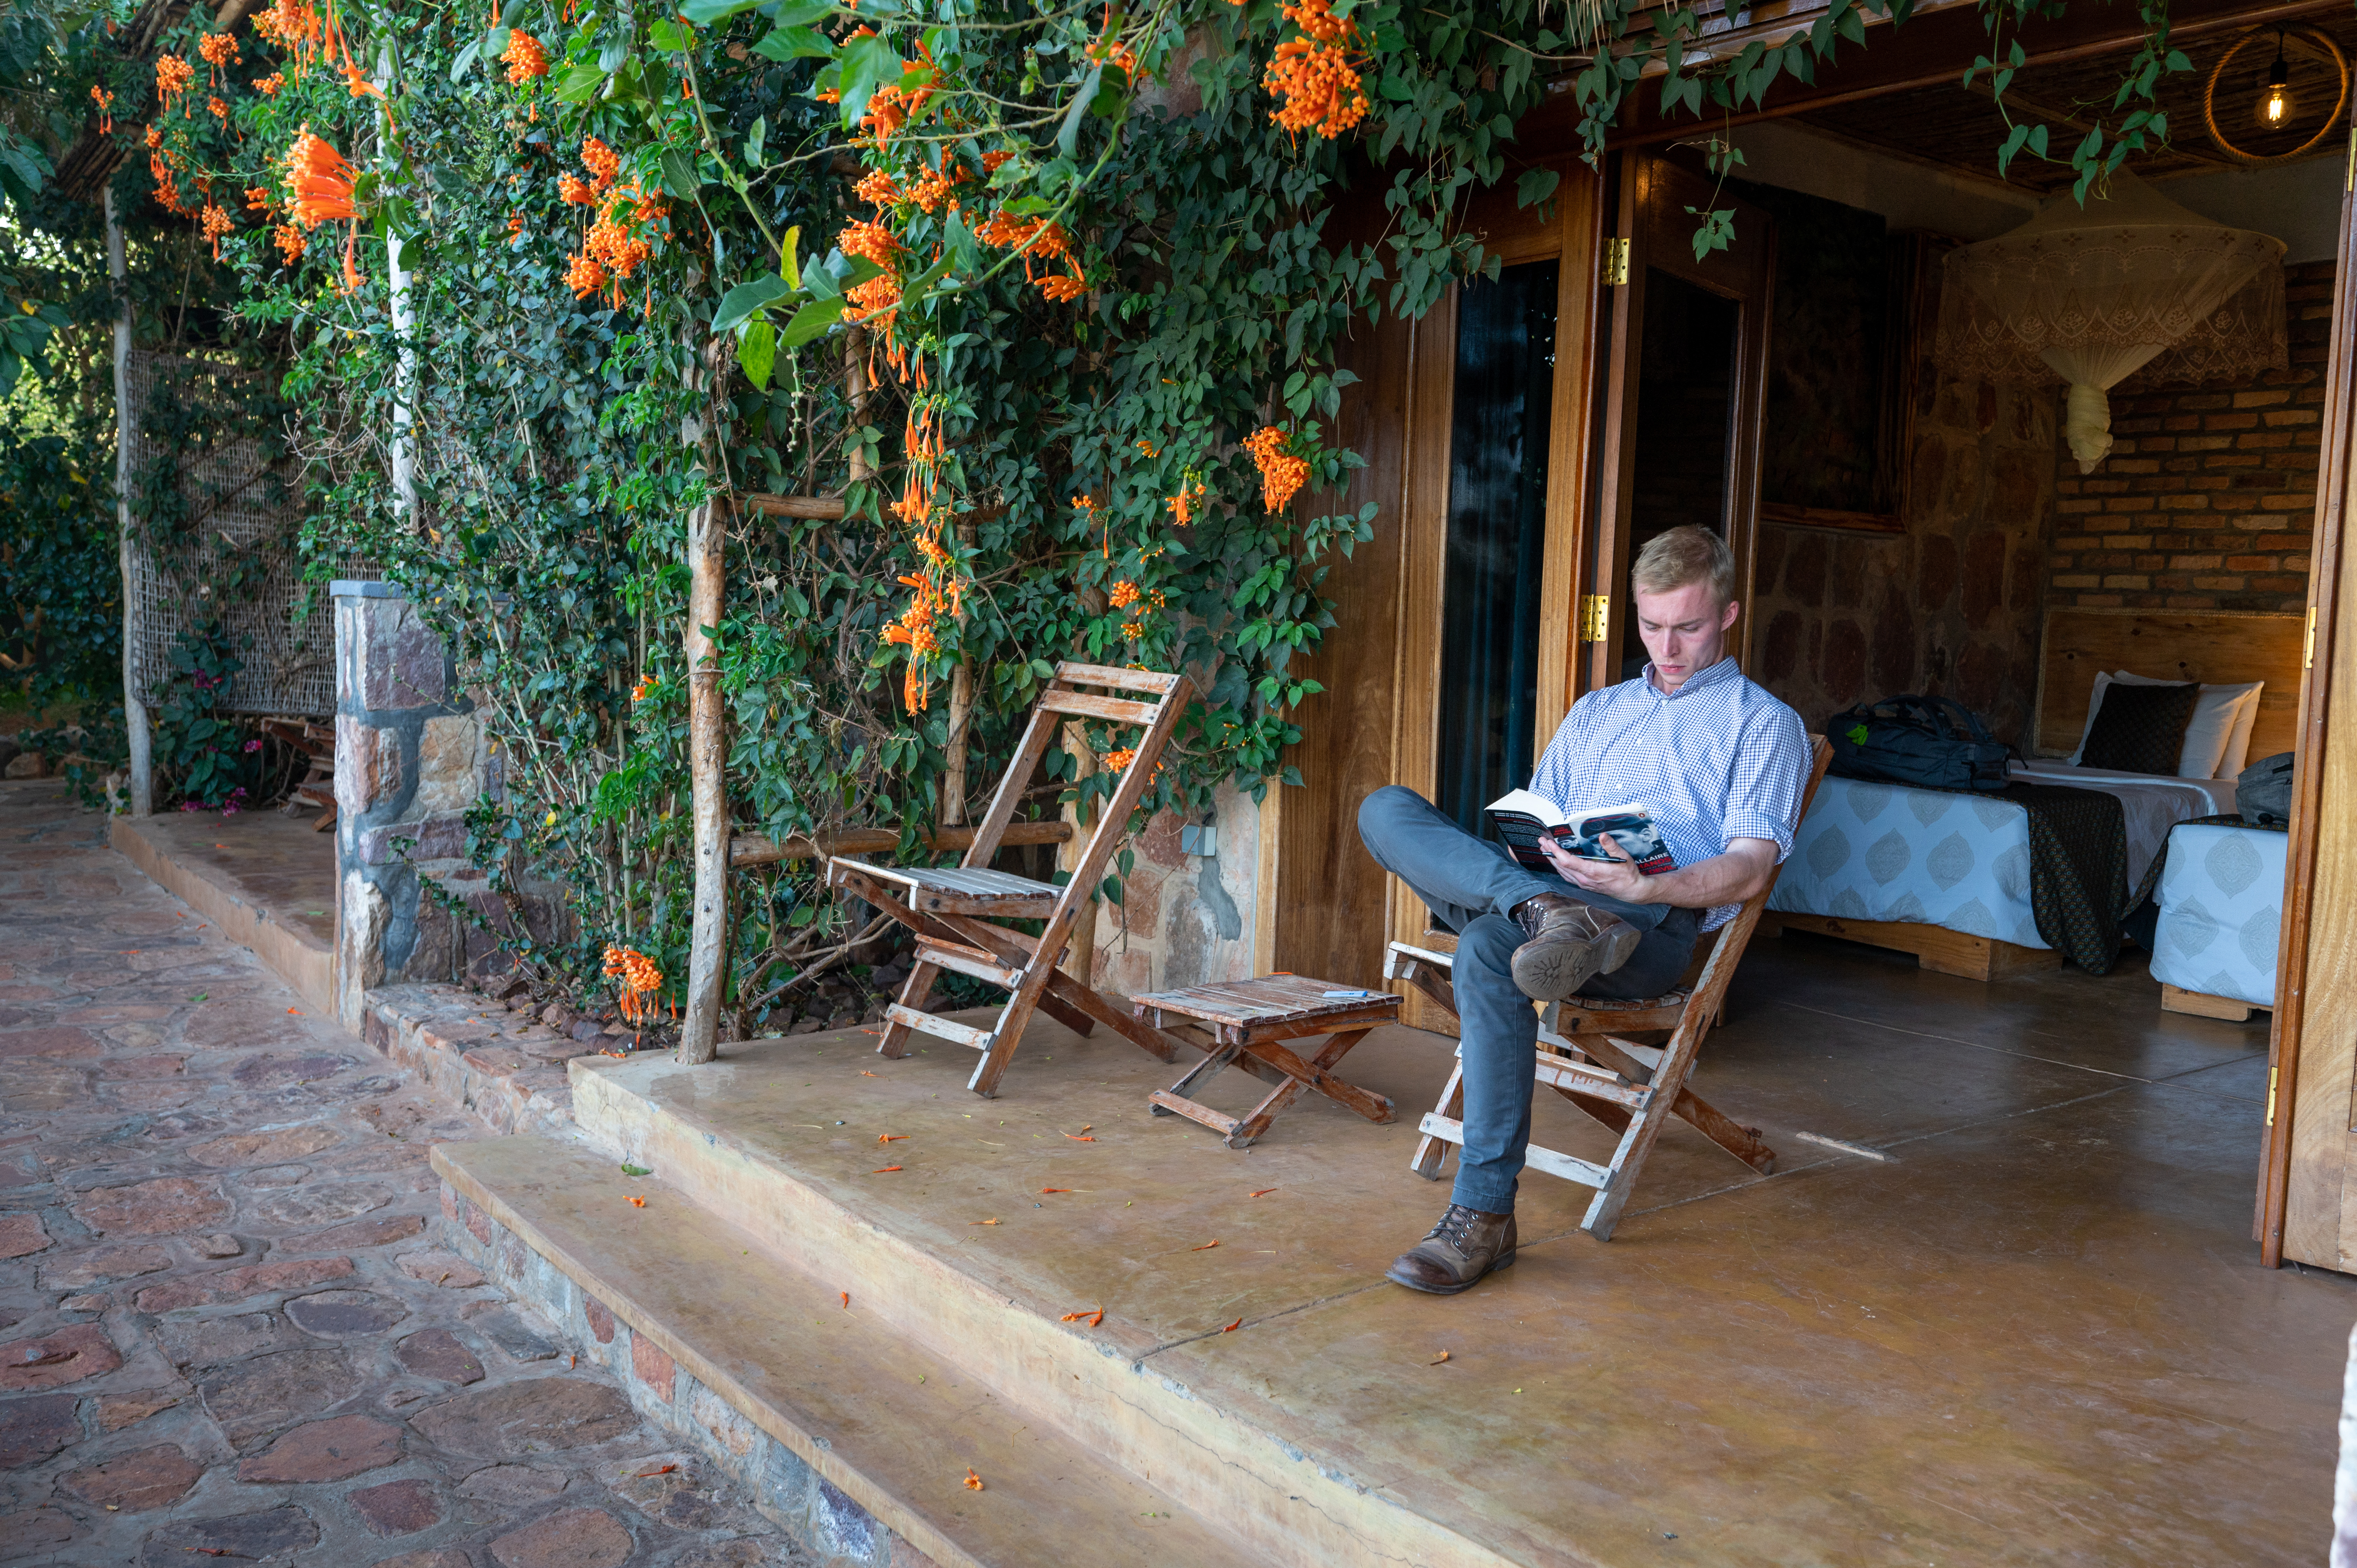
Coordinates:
<point>2220,646</point>
<point>2202,1005</point>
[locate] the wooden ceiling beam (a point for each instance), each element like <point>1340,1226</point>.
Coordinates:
<point>1931,51</point>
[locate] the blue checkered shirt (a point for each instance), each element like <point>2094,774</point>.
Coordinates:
<point>1718,761</point>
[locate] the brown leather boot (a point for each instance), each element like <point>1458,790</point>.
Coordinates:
<point>1569,944</point>
<point>1465,1245</point>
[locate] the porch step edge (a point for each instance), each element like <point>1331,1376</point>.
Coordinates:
<point>790,1386</point>
<point>1222,1455</point>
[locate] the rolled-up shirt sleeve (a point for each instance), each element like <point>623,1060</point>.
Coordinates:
<point>1764,785</point>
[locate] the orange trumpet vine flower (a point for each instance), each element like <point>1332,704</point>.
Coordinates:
<point>318,181</point>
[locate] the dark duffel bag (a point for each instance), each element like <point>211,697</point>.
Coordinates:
<point>2263,792</point>
<point>1934,742</point>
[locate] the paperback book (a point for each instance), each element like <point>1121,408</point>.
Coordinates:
<point>1523,818</point>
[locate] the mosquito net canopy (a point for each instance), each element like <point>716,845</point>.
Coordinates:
<point>2131,285</point>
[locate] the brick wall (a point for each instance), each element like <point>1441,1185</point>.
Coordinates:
<point>2208,498</point>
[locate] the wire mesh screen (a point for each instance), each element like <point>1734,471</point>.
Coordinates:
<point>220,510</point>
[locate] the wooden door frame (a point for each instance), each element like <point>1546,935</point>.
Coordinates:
<point>2330,660</point>
<point>1568,230</point>
<point>1653,221</point>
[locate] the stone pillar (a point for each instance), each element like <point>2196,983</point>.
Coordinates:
<point>409,762</point>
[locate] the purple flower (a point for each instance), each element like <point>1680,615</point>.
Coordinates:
<point>254,745</point>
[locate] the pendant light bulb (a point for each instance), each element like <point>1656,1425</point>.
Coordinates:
<point>2274,104</point>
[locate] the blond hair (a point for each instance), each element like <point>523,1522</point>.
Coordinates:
<point>1690,554</point>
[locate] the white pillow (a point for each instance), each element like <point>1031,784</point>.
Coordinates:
<point>2238,744</point>
<point>2218,733</point>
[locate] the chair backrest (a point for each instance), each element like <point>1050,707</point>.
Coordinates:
<point>1732,937</point>
<point>1063,696</point>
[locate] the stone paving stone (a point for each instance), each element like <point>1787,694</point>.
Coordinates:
<point>445,1557</point>
<point>514,1486</point>
<point>215,1341</point>
<point>123,1410</point>
<point>345,1314</point>
<point>537,1415</point>
<point>513,1335</point>
<point>436,1353</point>
<point>263,1148</point>
<point>68,1355</point>
<point>285,1529</point>
<point>575,1538</point>
<point>397,1508</point>
<point>327,1451</point>
<point>357,1235</point>
<point>33,1429</point>
<point>237,1284</point>
<point>243,1193</point>
<point>321,1205</point>
<point>271,1392</point>
<point>20,1234</point>
<point>137,1481</point>
<point>157,1208</point>
<point>446,1268</point>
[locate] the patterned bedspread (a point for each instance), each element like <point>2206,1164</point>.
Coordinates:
<point>1885,851</point>
<point>2221,911</point>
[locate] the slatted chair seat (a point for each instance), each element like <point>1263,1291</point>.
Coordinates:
<point>955,890</point>
<point>953,910</point>
<point>1585,1054</point>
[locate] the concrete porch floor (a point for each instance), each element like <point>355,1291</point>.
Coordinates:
<point>266,881</point>
<point>2039,1336</point>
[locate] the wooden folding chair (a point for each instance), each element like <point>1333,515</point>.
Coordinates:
<point>1584,1055</point>
<point>953,909</point>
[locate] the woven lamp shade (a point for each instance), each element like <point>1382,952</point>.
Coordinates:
<point>2129,286</point>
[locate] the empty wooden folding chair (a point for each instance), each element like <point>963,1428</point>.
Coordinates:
<point>953,910</point>
<point>1584,1056</point>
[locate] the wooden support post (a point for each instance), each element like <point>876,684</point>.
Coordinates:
<point>708,750</point>
<point>706,760</point>
<point>134,708</point>
<point>961,718</point>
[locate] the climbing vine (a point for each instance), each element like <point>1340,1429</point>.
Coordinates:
<point>1046,301</point>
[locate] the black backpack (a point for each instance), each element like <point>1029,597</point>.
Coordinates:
<point>1934,742</point>
<point>2263,792</point>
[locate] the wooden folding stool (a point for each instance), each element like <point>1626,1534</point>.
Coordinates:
<point>1249,1023</point>
<point>1584,1056</point>
<point>953,909</point>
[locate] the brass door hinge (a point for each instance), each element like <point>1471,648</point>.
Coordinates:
<point>1616,262</point>
<point>2271,1096</point>
<point>2308,646</point>
<point>1595,611</point>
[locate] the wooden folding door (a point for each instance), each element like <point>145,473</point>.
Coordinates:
<point>1684,380</point>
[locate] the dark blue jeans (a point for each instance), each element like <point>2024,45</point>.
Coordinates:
<point>1469,885</point>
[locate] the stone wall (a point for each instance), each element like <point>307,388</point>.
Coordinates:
<point>1185,918</point>
<point>410,760</point>
<point>1951,606</point>
<point>2209,495</point>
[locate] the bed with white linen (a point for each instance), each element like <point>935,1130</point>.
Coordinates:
<point>1947,875</point>
<point>2221,898</point>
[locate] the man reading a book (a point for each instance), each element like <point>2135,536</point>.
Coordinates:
<point>1718,764</point>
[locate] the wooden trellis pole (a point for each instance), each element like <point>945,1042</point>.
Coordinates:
<point>141,784</point>
<point>707,742</point>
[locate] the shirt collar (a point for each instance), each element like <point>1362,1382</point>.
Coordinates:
<point>1712,676</point>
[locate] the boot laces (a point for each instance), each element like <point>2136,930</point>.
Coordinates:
<point>1455,1225</point>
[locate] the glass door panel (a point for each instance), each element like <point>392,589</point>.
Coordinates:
<point>1685,421</point>
<point>1496,537</point>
